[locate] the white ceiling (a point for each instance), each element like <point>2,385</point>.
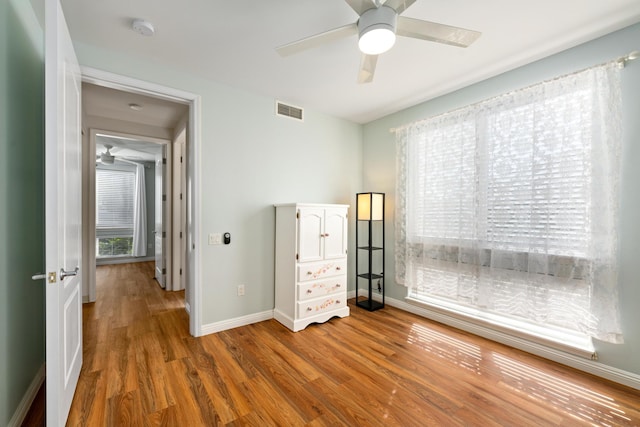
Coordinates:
<point>128,149</point>
<point>100,101</point>
<point>232,42</point>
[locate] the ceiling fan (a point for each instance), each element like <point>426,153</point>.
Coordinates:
<point>377,27</point>
<point>106,158</point>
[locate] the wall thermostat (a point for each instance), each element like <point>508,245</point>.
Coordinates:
<point>226,238</point>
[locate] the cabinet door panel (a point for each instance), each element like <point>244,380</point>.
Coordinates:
<point>310,230</point>
<point>335,231</point>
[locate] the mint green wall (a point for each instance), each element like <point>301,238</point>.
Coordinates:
<point>21,203</point>
<point>379,165</point>
<point>251,159</point>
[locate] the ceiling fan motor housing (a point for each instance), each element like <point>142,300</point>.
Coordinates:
<point>381,18</point>
<point>107,158</point>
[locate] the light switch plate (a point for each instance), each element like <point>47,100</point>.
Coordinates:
<point>215,238</point>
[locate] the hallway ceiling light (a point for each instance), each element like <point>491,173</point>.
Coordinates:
<point>143,27</point>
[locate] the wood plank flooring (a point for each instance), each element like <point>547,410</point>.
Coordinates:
<point>386,368</point>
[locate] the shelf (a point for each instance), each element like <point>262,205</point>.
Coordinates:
<point>370,250</point>
<point>370,305</point>
<point>370,276</point>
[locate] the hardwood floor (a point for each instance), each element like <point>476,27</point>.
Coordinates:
<point>386,368</point>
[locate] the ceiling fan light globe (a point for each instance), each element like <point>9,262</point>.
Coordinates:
<point>377,30</point>
<point>375,41</point>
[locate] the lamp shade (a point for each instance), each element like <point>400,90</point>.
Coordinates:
<point>370,206</point>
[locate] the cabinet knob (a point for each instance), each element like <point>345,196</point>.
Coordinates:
<point>326,234</point>
<point>309,291</point>
<point>338,285</point>
<point>309,309</point>
<point>338,268</point>
<point>337,301</point>
<point>309,273</point>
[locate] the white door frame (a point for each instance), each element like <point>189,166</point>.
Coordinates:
<point>193,263</point>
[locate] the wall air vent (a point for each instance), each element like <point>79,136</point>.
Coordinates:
<point>289,111</point>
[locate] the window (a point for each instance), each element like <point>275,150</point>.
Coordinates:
<point>114,212</point>
<point>508,207</point>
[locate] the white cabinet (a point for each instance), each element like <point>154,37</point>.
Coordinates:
<point>311,264</point>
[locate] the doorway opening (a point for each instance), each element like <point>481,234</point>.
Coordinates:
<point>167,131</point>
<point>134,214</point>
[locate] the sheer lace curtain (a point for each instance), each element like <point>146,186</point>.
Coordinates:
<point>511,205</point>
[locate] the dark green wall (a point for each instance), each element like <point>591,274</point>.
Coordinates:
<point>21,203</point>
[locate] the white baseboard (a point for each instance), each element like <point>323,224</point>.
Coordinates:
<point>212,328</point>
<point>123,260</point>
<point>25,404</point>
<point>590,366</point>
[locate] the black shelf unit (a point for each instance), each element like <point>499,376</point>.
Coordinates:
<point>370,250</point>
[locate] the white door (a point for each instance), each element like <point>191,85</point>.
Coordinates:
<point>159,231</point>
<point>178,212</point>
<point>310,234</point>
<point>63,216</point>
<point>335,233</point>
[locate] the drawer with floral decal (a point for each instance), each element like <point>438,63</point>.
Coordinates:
<point>320,288</point>
<point>318,270</point>
<point>321,305</point>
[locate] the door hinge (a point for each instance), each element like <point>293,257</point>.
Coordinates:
<point>297,256</point>
<point>164,197</point>
<point>180,196</point>
<point>181,234</point>
<point>164,234</point>
<point>164,161</point>
<point>164,271</point>
<point>181,272</point>
<point>298,214</point>
<point>180,159</point>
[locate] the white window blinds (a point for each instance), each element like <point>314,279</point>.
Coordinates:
<point>114,202</point>
<point>510,205</point>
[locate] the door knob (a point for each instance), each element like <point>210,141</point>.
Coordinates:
<point>64,273</point>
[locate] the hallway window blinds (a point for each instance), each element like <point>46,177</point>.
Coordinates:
<point>114,212</point>
<point>510,206</point>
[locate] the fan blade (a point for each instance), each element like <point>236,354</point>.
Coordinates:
<point>399,5</point>
<point>317,40</point>
<point>435,32</point>
<point>360,6</point>
<point>367,68</point>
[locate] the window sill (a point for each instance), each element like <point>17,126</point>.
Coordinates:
<point>576,344</point>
